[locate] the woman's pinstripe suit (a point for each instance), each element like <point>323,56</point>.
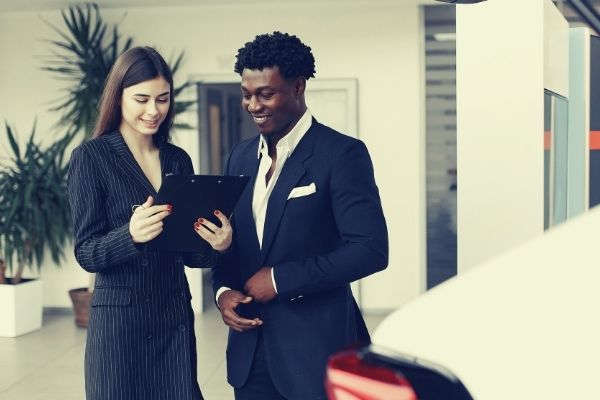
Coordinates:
<point>140,341</point>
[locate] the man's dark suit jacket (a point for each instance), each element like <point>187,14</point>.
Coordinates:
<point>317,244</point>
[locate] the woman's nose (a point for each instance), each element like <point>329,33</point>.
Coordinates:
<point>151,108</point>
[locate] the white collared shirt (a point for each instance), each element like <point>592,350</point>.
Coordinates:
<point>262,190</point>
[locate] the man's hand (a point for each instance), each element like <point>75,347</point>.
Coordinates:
<point>260,286</point>
<point>228,302</point>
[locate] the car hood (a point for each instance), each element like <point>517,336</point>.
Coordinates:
<point>523,325</point>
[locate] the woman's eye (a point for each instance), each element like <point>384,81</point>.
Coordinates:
<point>164,100</point>
<point>140,100</point>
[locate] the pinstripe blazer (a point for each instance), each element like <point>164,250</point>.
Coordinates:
<point>140,341</point>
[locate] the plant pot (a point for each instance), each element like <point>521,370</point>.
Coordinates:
<point>22,306</point>
<point>81,298</point>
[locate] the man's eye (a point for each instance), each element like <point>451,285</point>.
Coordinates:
<point>246,96</point>
<point>267,95</point>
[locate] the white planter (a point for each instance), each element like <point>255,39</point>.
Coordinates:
<point>21,308</point>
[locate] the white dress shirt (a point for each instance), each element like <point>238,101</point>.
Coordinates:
<point>262,190</point>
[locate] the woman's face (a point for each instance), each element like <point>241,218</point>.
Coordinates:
<point>144,106</point>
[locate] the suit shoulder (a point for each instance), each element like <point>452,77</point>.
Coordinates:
<point>93,148</point>
<point>243,147</point>
<point>335,141</point>
<point>246,144</point>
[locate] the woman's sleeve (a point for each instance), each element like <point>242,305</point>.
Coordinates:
<point>96,247</point>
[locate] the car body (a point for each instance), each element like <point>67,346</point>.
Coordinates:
<point>523,325</point>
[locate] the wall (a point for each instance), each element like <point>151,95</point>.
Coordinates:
<point>502,70</point>
<point>379,44</point>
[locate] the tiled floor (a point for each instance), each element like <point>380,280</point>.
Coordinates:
<point>48,364</point>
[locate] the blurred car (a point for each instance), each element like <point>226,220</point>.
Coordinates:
<point>524,325</point>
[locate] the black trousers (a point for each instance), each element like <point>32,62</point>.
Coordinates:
<point>259,385</point>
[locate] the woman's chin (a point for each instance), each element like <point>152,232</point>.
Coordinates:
<point>145,130</point>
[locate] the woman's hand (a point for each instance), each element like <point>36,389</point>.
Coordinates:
<point>218,238</point>
<point>146,221</point>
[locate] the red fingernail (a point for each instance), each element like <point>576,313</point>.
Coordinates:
<point>217,212</point>
<point>196,226</point>
<point>201,220</point>
<point>169,208</point>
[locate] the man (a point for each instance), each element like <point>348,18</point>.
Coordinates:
<point>309,223</point>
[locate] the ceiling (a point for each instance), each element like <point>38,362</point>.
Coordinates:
<point>41,5</point>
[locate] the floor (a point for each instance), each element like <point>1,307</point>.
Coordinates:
<point>48,364</point>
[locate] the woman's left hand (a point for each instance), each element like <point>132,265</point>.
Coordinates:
<point>218,238</point>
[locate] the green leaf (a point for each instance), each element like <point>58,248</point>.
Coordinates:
<point>13,143</point>
<point>34,209</point>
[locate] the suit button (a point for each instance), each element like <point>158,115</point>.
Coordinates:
<point>182,327</point>
<point>147,299</point>
<point>144,261</point>
<point>149,337</point>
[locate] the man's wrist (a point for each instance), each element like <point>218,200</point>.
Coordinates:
<point>221,290</point>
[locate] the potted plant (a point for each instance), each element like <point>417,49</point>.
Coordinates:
<point>83,56</point>
<point>34,221</point>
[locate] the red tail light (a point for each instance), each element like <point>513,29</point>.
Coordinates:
<point>350,378</point>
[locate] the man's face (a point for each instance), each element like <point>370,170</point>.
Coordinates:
<point>274,103</point>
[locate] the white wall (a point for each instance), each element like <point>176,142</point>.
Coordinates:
<point>379,44</point>
<point>502,70</point>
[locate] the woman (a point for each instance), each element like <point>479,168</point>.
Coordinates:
<point>140,342</point>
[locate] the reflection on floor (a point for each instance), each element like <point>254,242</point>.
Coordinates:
<point>48,364</point>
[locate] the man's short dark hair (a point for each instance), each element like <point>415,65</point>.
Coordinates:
<point>283,50</point>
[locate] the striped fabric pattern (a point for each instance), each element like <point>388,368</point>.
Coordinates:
<point>141,341</point>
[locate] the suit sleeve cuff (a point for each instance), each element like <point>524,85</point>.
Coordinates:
<point>221,290</point>
<point>273,279</point>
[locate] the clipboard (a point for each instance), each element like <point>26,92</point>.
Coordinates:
<point>192,197</point>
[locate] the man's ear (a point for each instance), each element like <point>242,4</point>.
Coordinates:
<point>299,86</point>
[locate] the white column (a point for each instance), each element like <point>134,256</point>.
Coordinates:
<point>508,51</point>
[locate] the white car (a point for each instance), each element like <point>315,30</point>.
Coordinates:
<point>524,325</point>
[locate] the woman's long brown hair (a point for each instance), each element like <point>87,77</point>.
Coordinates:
<point>136,65</point>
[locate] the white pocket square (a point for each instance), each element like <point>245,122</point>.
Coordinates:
<point>302,191</point>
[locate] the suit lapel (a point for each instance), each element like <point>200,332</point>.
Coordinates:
<point>292,171</point>
<point>244,218</point>
<point>126,162</point>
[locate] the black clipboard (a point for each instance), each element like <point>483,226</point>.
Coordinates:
<point>192,197</point>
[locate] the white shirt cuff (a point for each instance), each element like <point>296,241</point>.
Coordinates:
<point>220,292</point>
<point>273,279</point>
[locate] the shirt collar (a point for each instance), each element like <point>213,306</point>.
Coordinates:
<point>291,140</point>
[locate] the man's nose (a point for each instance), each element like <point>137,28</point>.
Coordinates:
<point>253,104</point>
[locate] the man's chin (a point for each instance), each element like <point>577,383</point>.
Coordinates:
<point>264,131</point>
